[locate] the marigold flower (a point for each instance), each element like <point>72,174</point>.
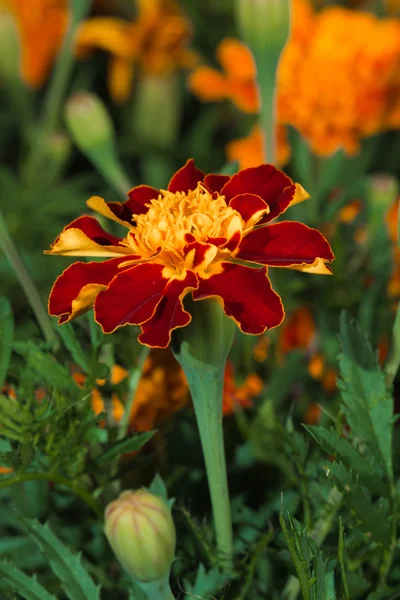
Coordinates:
<point>156,42</point>
<point>41,26</point>
<point>236,81</point>
<point>249,151</point>
<point>206,235</point>
<point>336,89</point>
<point>241,395</point>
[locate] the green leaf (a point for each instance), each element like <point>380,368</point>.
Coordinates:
<point>341,449</point>
<point>72,344</point>
<point>6,337</point>
<point>46,368</point>
<point>158,487</point>
<point>371,518</point>
<point>366,403</point>
<point>341,561</point>
<point>27,587</point>
<point>206,584</point>
<point>76,582</point>
<point>131,443</point>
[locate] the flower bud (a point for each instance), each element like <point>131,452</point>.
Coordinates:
<point>264,24</point>
<point>88,121</point>
<point>141,532</point>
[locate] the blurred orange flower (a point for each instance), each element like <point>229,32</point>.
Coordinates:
<point>41,26</point>
<point>241,395</point>
<point>156,42</point>
<point>334,87</point>
<point>236,81</point>
<point>249,150</point>
<point>392,225</point>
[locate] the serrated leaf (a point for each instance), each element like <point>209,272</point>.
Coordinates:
<point>45,366</point>
<point>158,487</point>
<point>132,443</point>
<point>27,587</point>
<point>206,584</point>
<point>366,403</point>
<point>341,449</point>
<point>76,582</point>
<point>370,517</point>
<point>6,337</point>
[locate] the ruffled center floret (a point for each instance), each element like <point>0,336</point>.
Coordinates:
<point>175,219</point>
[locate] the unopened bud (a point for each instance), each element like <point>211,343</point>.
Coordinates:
<point>264,24</point>
<point>141,532</point>
<point>88,121</point>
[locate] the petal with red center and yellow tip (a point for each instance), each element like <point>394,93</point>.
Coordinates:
<point>300,195</point>
<point>274,187</point>
<point>186,179</point>
<point>75,290</point>
<point>198,256</point>
<point>86,237</point>
<point>250,207</point>
<point>246,295</point>
<point>285,244</point>
<point>215,182</point>
<point>131,298</point>
<point>170,313</point>
<point>122,212</point>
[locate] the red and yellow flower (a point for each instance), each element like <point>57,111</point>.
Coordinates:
<point>207,236</point>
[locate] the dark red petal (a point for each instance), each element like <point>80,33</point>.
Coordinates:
<point>169,314</point>
<point>94,231</point>
<point>138,198</point>
<point>266,181</point>
<point>186,179</point>
<point>284,244</point>
<point>131,298</point>
<point>247,296</point>
<point>216,182</point>
<point>70,283</point>
<point>247,205</point>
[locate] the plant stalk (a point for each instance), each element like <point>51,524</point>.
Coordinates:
<point>157,590</point>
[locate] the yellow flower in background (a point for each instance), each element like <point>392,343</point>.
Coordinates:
<point>41,26</point>
<point>342,82</point>
<point>249,151</point>
<point>156,42</point>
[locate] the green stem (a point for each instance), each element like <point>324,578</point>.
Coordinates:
<point>56,478</point>
<point>206,393</point>
<point>388,555</point>
<point>393,362</point>
<point>107,163</point>
<point>266,70</point>
<point>63,69</point>
<point>27,284</point>
<point>157,590</point>
<point>133,385</point>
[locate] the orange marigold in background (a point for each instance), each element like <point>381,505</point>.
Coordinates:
<point>241,395</point>
<point>41,26</point>
<point>392,225</point>
<point>341,82</point>
<point>249,151</point>
<point>156,42</point>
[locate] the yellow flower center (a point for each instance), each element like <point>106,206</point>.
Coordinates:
<point>172,216</point>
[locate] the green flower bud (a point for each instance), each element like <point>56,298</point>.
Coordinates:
<point>141,532</point>
<point>88,121</point>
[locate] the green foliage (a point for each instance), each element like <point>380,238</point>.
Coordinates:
<point>15,580</point>
<point>132,443</point>
<point>206,584</point>
<point>6,337</point>
<point>75,580</point>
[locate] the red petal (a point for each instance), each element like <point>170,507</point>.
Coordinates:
<point>273,186</point>
<point>131,298</point>
<point>94,231</point>
<point>284,244</point>
<point>248,205</point>
<point>186,179</point>
<point>138,198</point>
<point>199,255</point>
<point>216,182</point>
<point>170,313</point>
<point>75,289</point>
<point>247,296</point>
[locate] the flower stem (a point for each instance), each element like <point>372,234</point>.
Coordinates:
<point>27,284</point>
<point>56,478</point>
<point>157,590</point>
<point>267,95</point>
<point>206,389</point>
<point>133,385</point>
